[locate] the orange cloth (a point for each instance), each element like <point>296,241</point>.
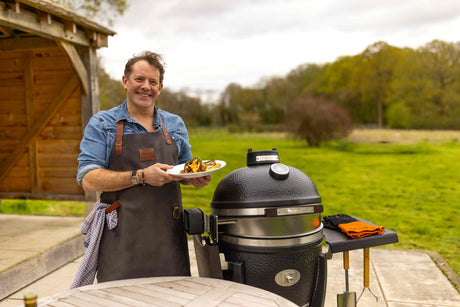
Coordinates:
<point>360,229</point>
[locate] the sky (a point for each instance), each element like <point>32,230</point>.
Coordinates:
<point>208,44</point>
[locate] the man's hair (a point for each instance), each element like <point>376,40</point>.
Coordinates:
<point>152,58</point>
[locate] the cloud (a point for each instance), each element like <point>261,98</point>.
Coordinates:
<point>208,44</point>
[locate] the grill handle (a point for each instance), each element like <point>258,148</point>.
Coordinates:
<point>196,223</point>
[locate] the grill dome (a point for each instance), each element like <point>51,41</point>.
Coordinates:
<point>264,183</point>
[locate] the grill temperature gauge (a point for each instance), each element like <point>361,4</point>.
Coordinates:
<point>279,171</point>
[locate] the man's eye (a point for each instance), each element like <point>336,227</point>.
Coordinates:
<point>153,82</point>
<point>139,80</point>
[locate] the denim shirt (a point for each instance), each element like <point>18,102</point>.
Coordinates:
<point>100,133</point>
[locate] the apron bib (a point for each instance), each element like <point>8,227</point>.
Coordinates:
<point>150,239</point>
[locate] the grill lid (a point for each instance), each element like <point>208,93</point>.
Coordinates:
<point>265,182</point>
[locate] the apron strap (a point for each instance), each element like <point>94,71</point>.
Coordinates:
<point>119,138</point>
<point>165,132</point>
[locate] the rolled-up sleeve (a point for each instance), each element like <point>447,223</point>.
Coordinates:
<point>93,148</point>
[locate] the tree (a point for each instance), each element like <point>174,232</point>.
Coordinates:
<point>427,82</point>
<point>192,111</point>
<point>378,62</point>
<point>317,119</point>
<point>341,82</point>
<point>111,92</point>
<point>305,79</point>
<point>100,10</point>
<point>227,106</point>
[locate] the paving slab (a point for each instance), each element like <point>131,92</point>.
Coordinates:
<point>411,277</point>
<point>33,246</point>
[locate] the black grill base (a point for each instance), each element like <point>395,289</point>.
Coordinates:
<point>258,268</point>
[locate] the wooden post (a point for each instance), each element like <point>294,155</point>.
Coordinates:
<point>29,90</point>
<point>89,107</point>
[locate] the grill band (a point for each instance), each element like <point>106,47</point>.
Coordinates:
<point>311,237</point>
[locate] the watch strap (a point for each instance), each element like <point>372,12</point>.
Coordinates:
<point>134,178</point>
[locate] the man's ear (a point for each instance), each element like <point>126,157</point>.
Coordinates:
<point>124,80</point>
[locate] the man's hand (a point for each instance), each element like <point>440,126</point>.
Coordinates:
<point>197,182</point>
<point>156,175</point>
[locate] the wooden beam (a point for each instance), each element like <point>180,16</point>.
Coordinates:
<point>30,110</point>
<point>89,107</point>
<point>90,102</point>
<point>17,6</point>
<point>29,22</point>
<point>70,26</point>
<point>77,64</point>
<point>44,17</point>
<point>26,43</point>
<point>6,31</point>
<point>67,14</point>
<point>37,127</point>
<point>101,41</point>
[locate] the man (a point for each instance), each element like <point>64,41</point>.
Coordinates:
<point>125,153</point>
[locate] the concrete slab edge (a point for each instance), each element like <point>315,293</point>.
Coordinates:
<point>43,263</point>
<point>446,269</point>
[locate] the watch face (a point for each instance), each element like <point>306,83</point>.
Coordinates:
<point>135,180</point>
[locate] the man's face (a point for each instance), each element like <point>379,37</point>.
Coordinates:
<point>143,85</point>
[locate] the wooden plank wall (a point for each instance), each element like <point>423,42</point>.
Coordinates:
<point>29,82</point>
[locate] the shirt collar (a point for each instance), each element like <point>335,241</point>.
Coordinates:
<point>124,115</point>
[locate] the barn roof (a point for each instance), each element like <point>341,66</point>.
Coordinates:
<point>21,19</point>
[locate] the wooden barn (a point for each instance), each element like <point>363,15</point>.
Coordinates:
<point>48,92</point>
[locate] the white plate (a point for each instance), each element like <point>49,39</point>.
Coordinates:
<point>176,170</point>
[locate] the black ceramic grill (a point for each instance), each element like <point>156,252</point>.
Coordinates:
<point>266,221</point>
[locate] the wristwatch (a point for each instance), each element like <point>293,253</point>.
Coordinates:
<point>134,178</point>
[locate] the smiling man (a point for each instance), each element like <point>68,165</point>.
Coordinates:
<point>125,153</point>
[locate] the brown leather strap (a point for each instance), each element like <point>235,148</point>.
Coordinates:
<point>165,132</point>
<point>112,207</point>
<point>119,138</point>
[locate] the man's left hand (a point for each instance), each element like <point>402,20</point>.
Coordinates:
<point>198,182</point>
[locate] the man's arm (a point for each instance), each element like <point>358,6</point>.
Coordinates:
<point>107,180</point>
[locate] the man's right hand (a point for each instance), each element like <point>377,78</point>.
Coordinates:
<point>105,180</point>
<point>156,175</point>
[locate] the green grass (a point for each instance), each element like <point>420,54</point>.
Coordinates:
<point>42,207</point>
<point>413,189</point>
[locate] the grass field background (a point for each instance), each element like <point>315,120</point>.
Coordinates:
<point>407,181</point>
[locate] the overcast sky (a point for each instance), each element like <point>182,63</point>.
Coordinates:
<point>208,44</point>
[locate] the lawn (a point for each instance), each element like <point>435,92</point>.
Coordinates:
<point>407,181</point>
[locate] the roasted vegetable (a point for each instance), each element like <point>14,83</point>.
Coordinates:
<point>196,165</point>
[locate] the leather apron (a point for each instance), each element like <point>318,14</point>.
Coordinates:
<point>150,239</point>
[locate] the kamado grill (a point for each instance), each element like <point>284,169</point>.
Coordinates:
<point>266,221</point>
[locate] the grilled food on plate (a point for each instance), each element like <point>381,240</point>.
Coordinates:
<point>196,165</point>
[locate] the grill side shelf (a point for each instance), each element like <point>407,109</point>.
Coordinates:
<point>340,242</point>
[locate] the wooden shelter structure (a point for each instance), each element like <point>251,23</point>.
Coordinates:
<point>48,92</point>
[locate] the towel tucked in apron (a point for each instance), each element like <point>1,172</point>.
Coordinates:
<point>150,239</point>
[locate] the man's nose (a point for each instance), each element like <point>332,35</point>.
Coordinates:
<point>145,84</point>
